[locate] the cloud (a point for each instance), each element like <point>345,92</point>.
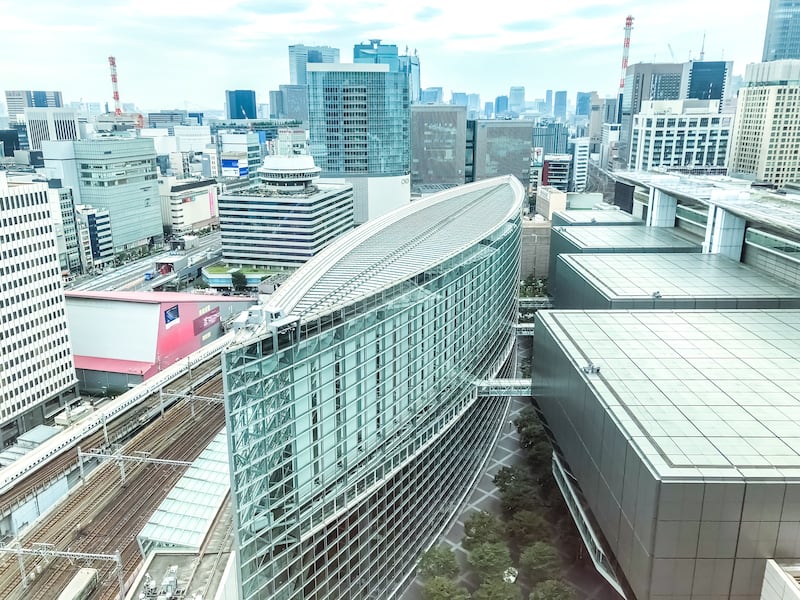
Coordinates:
<point>427,13</point>
<point>534,25</point>
<point>274,7</point>
<point>597,11</point>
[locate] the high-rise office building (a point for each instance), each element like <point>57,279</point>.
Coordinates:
<point>499,147</point>
<point>115,174</point>
<point>551,138</point>
<point>240,104</point>
<point>782,38</point>
<point>94,237</point>
<point>560,106</point>
<point>38,375</point>
<point>50,124</point>
<point>10,140</point>
<point>359,123</point>
<point>459,98</point>
<point>766,130</point>
<point>583,104</point>
<point>352,415</point>
<point>438,144</point>
<point>488,110</point>
<point>579,148</point>
<point>374,52</point>
<point>501,106</point>
<point>294,102</point>
<point>707,80</point>
<point>548,101</point>
<point>300,56</point>
<point>286,219</point>
<point>432,95</point>
<point>168,118</point>
<point>516,99</point>
<point>688,136</point>
<point>18,100</point>
<point>241,153</point>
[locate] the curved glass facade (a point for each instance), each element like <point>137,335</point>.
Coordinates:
<point>355,432</point>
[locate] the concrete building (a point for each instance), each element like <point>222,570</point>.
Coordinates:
<point>782,38</point>
<point>188,205</point>
<point>38,377</point>
<point>579,148</point>
<point>534,248</point>
<point>50,124</point>
<point>62,207</point>
<point>240,154</point>
<point>290,102</point>
<point>551,137</point>
<point>287,219</point>
<point>115,174</point>
<point>499,148</point>
<point>363,365</point>
<point>18,100</point>
<point>550,201</point>
<point>610,157</point>
<point>767,131</point>
<point>192,138</point>
<point>169,119</point>
<point>240,104</point>
<point>95,241</point>
<point>556,171</point>
<point>300,56</point>
<point>290,142</point>
<point>359,129</point>
<point>438,144</point>
<point>689,135</point>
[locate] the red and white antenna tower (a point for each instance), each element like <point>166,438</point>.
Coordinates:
<point>112,63</point>
<point>626,47</point>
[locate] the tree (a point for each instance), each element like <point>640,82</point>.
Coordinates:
<point>529,427</point>
<point>490,560</point>
<point>481,527</point>
<point>509,475</point>
<point>539,562</point>
<point>520,494</point>
<point>200,284</point>
<point>526,527</point>
<point>552,589</point>
<point>239,281</point>
<point>438,562</point>
<point>442,588</point>
<point>496,590</point>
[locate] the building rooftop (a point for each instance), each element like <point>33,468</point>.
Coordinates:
<point>623,238</point>
<point>779,211</point>
<point>605,216</point>
<point>150,297</point>
<point>393,248</point>
<point>678,276</point>
<point>700,394</point>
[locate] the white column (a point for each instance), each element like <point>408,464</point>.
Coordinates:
<point>724,233</point>
<point>662,209</point>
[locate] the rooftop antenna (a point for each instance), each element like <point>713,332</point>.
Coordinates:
<point>703,48</point>
<point>626,47</point>
<point>112,63</point>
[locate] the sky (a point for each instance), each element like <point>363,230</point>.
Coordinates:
<point>185,53</point>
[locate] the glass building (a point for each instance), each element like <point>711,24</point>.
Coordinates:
<point>782,38</point>
<point>240,104</point>
<point>355,430</point>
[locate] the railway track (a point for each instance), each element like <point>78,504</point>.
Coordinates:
<point>103,517</point>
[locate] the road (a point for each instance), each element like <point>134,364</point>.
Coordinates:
<point>130,277</point>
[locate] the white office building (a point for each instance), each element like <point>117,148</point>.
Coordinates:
<point>287,219</point>
<point>580,163</point>
<point>37,376</point>
<point>51,124</point>
<point>188,205</point>
<point>685,135</point>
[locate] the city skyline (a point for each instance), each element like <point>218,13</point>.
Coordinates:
<point>190,59</point>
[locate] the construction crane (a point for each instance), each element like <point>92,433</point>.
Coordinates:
<point>626,46</point>
<point>112,63</point>
<point>671,53</point>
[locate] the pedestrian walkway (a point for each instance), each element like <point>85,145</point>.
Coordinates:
<point>587,583</point>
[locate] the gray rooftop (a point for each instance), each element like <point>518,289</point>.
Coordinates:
<point>699,394</point>
<point>601,217</point>
<point>681,276</point>
<point>399,245</point>
<point>623,238</point>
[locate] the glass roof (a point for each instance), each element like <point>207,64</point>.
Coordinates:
<point>186,514</point>
<point>676,275</point>
<point>699,394</point>
<point>625,238</point>
<point>394,247</point>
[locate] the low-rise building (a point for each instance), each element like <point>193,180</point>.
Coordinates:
<point>188,204</point>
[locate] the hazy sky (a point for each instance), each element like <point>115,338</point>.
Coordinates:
<point>185,53</point>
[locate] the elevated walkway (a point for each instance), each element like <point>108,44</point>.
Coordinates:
<point>535,303</point>
<point>524,329</point>
<point>505,387</point>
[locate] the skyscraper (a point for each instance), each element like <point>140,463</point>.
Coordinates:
<point>583,104</point>
<point>516,99</point>
<point>501,106</point>
<point>438,144</point>
<point>300,56</point>
<point>18,100</point>
<point>240,104</point>
<point>707,80</point>
<point>374,52</point>
<point>548,101</point>
<point>38,372</point>
<point>560,106</point>
<point>50,124</point>
<point>782,39</point>
<point>766,131</point>
<point>359,123</point>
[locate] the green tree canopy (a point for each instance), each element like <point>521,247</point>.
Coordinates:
<point>442,588</point>
<point>438,562</point>
<point>481,527</point>
<point>529,427</point>
<point>539,562</point>
<point>497,590</point>
<point>525,527</point>
<point>552,589</point>
<point>239,281</point>
<point>510,475</point>
<point>490,560</point>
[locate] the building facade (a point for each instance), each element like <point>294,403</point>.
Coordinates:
<point>240,104</point>
<point>681,134</point>
<point>438,144</point>
<point>579,148</point>
<point>767,128</point>
<point>50,124</point>
<point>500,148</point>
<point>359,129</point>
<point>115,174</point>
<point>707,80</point>
<point>18,100</point>
<point>38,376</point>
<point>782,38</point>
<point>300,56</point>
<point>94,236</point>
<point>560,106</point>
<point>355,430</point>
<point>188,205</point>
<point>287,219</point>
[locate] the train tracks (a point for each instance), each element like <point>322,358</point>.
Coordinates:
<point>101,516</point>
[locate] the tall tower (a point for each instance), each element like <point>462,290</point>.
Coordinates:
<point>626,48</point>
<point>782,38</point>
<point>112,64</point>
